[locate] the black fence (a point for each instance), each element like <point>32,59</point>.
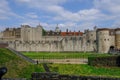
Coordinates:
<point>55,76</point>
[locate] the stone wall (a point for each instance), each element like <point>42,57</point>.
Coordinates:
<point>53,44</point>
<point>97,40</point>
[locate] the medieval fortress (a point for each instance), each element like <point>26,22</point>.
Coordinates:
<point>27,38</point>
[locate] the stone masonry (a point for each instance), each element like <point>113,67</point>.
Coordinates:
<point>32,39</point>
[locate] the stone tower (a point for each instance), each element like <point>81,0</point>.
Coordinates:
<point>31,33</point>
<point>25,32</point>
<point>90,40</point>
<point>104,40</point>
<point>117,38</point>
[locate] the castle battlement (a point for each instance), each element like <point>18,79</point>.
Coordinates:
<point>27,38</point>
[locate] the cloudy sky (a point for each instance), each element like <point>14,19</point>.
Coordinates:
<point>72,14</point>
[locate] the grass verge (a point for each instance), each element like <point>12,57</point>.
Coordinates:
<point>55,55</point>
<point>17,67</point>
<point>85,70</point>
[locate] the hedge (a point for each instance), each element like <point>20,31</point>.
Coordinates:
<point>55,76</point>
<point>109,61</point>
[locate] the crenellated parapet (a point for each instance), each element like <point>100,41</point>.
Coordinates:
<point>27,38</point>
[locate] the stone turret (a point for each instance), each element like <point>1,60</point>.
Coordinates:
<point>117,38</point>
<point>104,40</point>
<point>90,38</point>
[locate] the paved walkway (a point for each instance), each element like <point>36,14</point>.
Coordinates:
<point>63,61</point>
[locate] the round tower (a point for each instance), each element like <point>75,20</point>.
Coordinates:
<point>117,38</point>
<point>103,40</point>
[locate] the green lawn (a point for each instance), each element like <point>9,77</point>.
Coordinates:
<point>85,70</point>
<point>55,55</point>
<point>17,67</point>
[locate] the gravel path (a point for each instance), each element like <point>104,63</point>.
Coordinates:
<point>63,61</point>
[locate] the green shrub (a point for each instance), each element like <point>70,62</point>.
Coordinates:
<point>110,61</point>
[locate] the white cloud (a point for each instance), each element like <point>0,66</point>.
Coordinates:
<point>62,26</point>
<point>30,22</point>
<point>41,3</point>
<point>116,24</point>
<point>53,7</point>
<point>87,17</point>
<point>61,14</point>
<point>6,12</point>
<point>32,15</point>
<point>76,26</point>
<point>82,15</point>
<point>71,26</point>
<point>86,25</point>
<point>4,9</point>
<point>112,6</point>
<point>90,14</point>
<point>24,0</point>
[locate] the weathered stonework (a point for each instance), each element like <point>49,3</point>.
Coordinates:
<point>117,38</point>
<point>104,40</point>
<point>97,40</point>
